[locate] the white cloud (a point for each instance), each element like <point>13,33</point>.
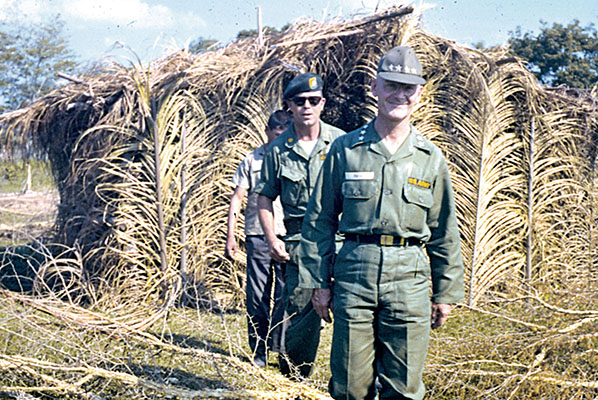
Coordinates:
<point>31,10</point>
<point>135,13</point>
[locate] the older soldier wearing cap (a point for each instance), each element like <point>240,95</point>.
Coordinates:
<point>291,166</point>
<point>392,189</point>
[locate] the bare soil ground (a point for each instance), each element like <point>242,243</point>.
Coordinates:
<point>24,216</point>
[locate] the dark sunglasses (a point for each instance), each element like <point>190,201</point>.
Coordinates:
<point>300,101</point>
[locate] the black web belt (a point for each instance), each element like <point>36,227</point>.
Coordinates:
<point>383,240</point>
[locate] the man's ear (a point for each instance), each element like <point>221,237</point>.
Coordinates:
<point>419,91</point>
<point>374,87</point>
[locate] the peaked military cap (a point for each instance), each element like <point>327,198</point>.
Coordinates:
<point>307,82</point>
<point>401,65</point>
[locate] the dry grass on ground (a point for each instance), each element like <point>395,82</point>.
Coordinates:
<point>25,216</point>
<point>525,348</point>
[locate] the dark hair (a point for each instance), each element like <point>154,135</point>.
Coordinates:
<point>279,118</point>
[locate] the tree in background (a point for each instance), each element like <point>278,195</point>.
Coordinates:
<point>560,55</point>
<point>202,44</point>
<point>30,56</point>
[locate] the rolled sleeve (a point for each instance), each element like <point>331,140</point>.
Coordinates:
<point>241,176</point>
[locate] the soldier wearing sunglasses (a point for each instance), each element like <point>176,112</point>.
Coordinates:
<point>289,171</point>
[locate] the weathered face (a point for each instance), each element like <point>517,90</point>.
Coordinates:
<point>396,101</point>
<point>306,107</point>
<point>272,134</point>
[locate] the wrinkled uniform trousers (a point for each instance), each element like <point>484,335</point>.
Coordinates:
<point>381,321</point>
<point>263,273</point>
<point>302,325</point>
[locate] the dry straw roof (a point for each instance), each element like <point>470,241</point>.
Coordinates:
<point>143,156</point>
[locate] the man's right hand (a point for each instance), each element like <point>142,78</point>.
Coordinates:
<point>321,299</point>
<point>231,248</point>
<point>278,251</point>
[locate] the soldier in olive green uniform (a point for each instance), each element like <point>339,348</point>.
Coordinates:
<point>289,171</point>
<point>392,189</point>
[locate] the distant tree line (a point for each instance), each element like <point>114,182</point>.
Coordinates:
<point>30,56</point>
<point>560,55</point>
<point>32,53</point>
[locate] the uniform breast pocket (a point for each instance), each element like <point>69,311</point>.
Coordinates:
<point>293,187</point>
<point>417,202</point>
<point>359,201</point>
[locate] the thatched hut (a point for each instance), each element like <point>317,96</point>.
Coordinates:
<point>143,155</point>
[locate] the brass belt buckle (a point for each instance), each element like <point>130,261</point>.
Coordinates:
<point>386,240</point>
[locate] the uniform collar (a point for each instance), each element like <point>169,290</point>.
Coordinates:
<point>262,149</point>
<point>291,141</point>
<point>368,135</point>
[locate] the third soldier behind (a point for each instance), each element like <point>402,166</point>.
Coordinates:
<point>393,192</point>
<point>291,166</point>
<point>264,275</point>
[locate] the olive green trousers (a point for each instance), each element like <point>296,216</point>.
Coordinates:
<point>301,326</point>
<point>381,321</point>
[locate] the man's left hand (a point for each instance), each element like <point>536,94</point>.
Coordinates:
<point>440,313</point>
<point>321,299</point>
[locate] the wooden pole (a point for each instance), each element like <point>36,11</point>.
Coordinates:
<point>184,208</point>
<point>530,202</point>
<point>260,33</point>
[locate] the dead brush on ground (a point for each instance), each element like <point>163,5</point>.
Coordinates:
<point>538,346</point>
<point>52,347</point>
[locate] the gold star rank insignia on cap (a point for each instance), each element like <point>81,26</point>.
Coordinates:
<point>312,83</point>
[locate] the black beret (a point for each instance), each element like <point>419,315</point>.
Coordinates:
<point>307,82</point>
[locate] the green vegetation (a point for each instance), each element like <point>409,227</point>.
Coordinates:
<point>30,56</point>
<point>560,55</point>
<point>202,44</point>
<point>13,176</point>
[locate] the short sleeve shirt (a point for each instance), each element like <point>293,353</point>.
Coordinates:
<point>247,176</point>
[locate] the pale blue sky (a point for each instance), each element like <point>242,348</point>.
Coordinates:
<point>151,26</point>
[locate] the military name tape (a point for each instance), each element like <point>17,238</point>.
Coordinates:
<point>359,176</point>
